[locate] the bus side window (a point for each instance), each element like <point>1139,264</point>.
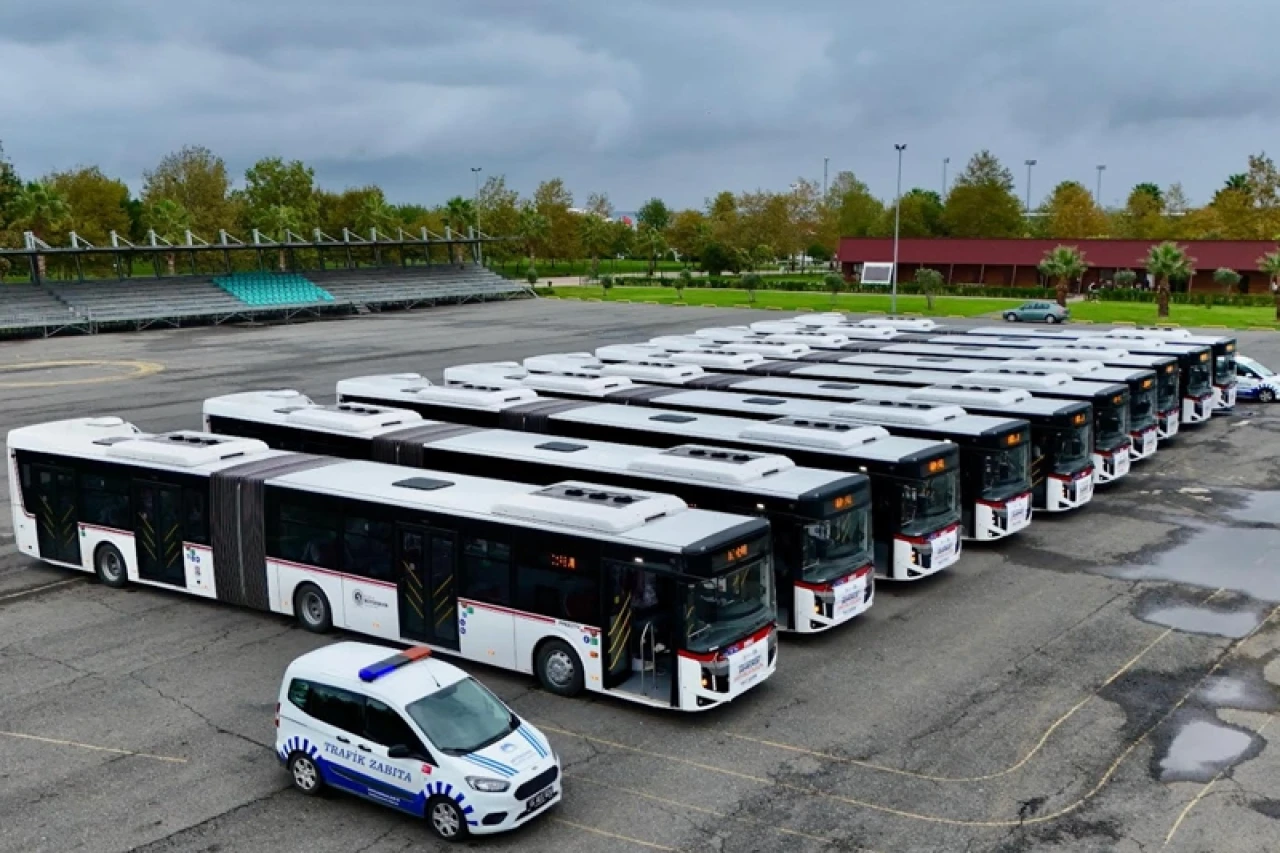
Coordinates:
<point>486,571</point>
<point>104,500</point>
<point>308,534</point>
<point>558,585</point>
<point>366,548</point>
<point>195,521</point>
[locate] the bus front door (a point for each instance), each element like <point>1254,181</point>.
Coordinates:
<point>426,563</point>
<point>57,531</point>
<point>157,533</point>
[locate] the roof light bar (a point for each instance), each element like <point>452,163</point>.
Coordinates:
<point>374,671</point>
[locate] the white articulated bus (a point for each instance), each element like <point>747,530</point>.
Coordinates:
<point>1223,349</point>
<point>1195,391</point>
<point>820,520</point>
<point>915,489</point>
<point>1061,430</point>
<point>995,476</point>
<point>1110,401</point>
<point>617,591</point>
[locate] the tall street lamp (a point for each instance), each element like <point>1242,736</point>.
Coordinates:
<point>475,209</point>
<point>1030,163</point>
<point>1097,195</point>
<point>825,161</point>
<point>945,161</point>
<point>897,221</point>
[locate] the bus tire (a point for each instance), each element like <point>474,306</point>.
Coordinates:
<point>559,669</point>
<point>305,774</point>
<point>110,567</point>
<point>312,608</point>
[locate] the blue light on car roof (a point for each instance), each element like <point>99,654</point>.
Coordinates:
<point>374,671</point>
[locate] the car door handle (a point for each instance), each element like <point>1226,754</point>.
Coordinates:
<point>363,748</point>
<point>341,739</point>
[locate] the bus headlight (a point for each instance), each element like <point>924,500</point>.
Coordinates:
<point>489,786</point>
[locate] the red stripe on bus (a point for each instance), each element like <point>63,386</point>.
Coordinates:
<point>304,567</point>
<point>507,610</point>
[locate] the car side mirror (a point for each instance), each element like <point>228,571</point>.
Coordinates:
<point>399,751</point>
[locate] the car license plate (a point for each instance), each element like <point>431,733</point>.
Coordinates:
<point>541,798</point>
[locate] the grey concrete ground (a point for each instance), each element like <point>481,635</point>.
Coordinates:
<point>1104,682</point>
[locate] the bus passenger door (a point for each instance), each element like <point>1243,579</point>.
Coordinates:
<point>57,531</point>
<point>157,531</point>
<point>426,565</point>
<point>618,627</point>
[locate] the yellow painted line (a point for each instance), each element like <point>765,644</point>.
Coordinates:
<point>1123,323</point>
<point>38,589</point>
<point>76,744</point>
<point>724,816</point>
<point>137,370</point>
<point>1262,328</point>
<point>615,836</point>
<point>1018,765</point>
<point>775,308</point>
<point>1204,792</point>
<point>1215,327</point>
<point>1005,823</point>
<point>709,305</point>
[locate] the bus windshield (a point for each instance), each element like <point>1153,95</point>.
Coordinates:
<point>837,546</point>
<point>1198,379</point>
<point>1143,409</point>
<point>729,607</point>
<point>1072,449</point>
<point>931,504</point>
<point>1224,369</point>
<point>1113,423</point>
<point>463,717</point>
<point>1005,472</point>
<point>1167,391</point>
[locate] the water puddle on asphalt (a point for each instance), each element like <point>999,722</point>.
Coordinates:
<point>1258,508</point>
<point>1243,560</point>
<point>1202,747</point>
<point>1203,620</point>
<point>1244,691</point>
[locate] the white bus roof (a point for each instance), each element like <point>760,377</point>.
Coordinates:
<point>1147,346</point>
<point>901,324</point>
<point>414,388</point>
<point>1031,349</point>
<point>757,473</point>
<point>287,407</point>
<point>1077,365</point>
<point>692,343</point>
<point>710,360</point>
<point>778,333</point>
<point>1042,381</point>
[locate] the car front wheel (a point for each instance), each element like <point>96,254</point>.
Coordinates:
<point>1266,395</point>
<point>446,820</point>
<point>1011,317</point>
<point>1051,319</point>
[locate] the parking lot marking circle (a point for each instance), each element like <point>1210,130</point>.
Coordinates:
<point>135,370</point>
<point>95,748</point>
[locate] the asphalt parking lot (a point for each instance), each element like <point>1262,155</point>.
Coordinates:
<point>1106,681</point>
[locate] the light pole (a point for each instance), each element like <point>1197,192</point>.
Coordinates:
<point>897,220</point>
<point>1097,196</point>
<point>1030,163</point>
<point>945,161</point>
<point>475,209</point>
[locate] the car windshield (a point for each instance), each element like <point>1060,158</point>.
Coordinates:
<point>1072,449</point>
<point>1198,380</point>
<point>1112,422</point>
<point>1224,369</point>
<point>1005,472</point>
<point>462,717</point>
<point>1142,408</point>
<point>930,505</point>
<point>730,607</point>
<point>1261,369</point>
<point>1167,391</point>
<point>837,546</point>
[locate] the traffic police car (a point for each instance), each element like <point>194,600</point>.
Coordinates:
<point>413,733</point>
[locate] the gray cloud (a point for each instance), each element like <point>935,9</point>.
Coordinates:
<point>650,97</point>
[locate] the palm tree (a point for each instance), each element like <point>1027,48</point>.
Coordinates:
<point>653,244</point>
<point>533,228</point>
<point>1064,265</point>
<point>170,220</point>
<point>278,220</point>
<point>595,236</point>
<point>459,213</point>
<point>1270,264</point>
<point>374,212</point>
<point>1238,181</point>
<point>1164,262</point>
<point>40,209</point>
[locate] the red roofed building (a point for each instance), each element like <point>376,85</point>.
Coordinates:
<point>1015,262</point>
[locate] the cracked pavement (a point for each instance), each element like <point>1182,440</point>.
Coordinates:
<point>896,734</point>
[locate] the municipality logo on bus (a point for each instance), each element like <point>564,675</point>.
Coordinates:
<point>361,599</point>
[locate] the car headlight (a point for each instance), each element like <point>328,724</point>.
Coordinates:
<point>489,786</point>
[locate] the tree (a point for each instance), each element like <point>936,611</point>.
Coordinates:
<point>10,187</point>
<point>1234,216</point>
<point>1125,279</point>
<point>688,233</point>
<point>929,281</point>
<point>498,213</point>
<point>599,204</point>
<point>39,208</point>
<point>271,184</point>
<point>920,215</point>
<point>683,280</point>
<point>459,215</point>
<point>1143,216</point>
<point>1227,279</point>
<point>553,200</point>
<point>850,210</point>
<point>834,282</point>
<point>277,221</point>
<point>170,220</point>
<point>1270,264</point>
<point>1164,262</point>
<point>1150,190</point>
<point>533,229</point>
<point>718,258</point>
<point>1071,212</point>
<point>197,179</point>
<point>1063,264</point>
<point>751,283</point>
<point>373,212</point>
<point>1238,181</point>
<point>654,214</point>
<point>97,203</point>
<point>982,202</point>
<point>764,219</point>
<point>1263,182</point>
<point>722,214</point>
<point>653,245</point>
<point>762,255</point>
<point>594,235</point>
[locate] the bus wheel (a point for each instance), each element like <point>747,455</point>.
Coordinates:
<point>312,609</point>
<point>559,669</point>
<point>109,566</point>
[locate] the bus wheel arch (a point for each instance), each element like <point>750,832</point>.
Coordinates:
<point>312,609</point>
<point>558,667</point>
<point>109,566</point>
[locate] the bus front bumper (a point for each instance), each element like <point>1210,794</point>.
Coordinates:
<point>1197,410</point>
<point>1110,465</point>
<point>821,607</point>
<point>1167,424</point>
<point>1144,444</point>
<point>915,558</point>
<point>1064,493</point>
<point>998,519</point>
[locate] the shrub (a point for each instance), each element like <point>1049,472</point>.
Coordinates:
<point>531,275</point>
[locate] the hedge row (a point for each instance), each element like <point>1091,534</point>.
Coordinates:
<point>1232,299</point>
<point>818,286</point>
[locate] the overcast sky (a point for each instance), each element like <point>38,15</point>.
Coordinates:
<point>646,97</point>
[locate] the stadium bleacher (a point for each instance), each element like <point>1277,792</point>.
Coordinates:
<point>57,306</point>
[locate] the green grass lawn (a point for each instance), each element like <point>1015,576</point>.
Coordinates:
<point>1096,312</point>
